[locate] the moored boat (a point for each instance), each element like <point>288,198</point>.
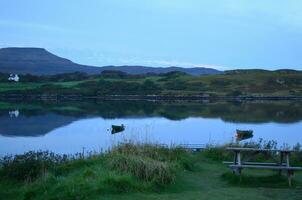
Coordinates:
<point>244,134</point>
<point>117,128</point>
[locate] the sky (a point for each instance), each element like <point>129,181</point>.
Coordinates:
<point>222,34</point>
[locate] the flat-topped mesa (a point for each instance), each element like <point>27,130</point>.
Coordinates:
<point>23,54</point>
<point>39,61</point>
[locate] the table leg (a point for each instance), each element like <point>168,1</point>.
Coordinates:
<point>238,158</point>
<point>281,161</point>
<point>289,177</point>
<point>235,170</point>
<point>287,159</point>
<point>289,172</point>
<point>240,175</point>
<point>235,158</point>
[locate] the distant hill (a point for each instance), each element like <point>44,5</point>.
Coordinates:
<point>196,71</point>
<point>38,61</point>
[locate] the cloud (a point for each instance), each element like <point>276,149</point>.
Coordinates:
<point>162,63</point>
<point>102,58</point>
<point>167,63</point>
<point>34,26</point>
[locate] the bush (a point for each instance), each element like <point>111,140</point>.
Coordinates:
<point>150,162</point>
<point>187,163</point>
<point>175,84</point>
<point>153,151</point>
<point>30,165</point>
<point>217,153</point>
<point>143,168</point>
<point>119,183</point>
<point>220,82</point>
<point>296,156</point>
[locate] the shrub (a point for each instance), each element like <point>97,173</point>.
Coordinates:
<point>89,173</point>
<point>150,162</point>
<point>175,84</point>
<point>30,165</point>
<point>119,183</point>
<point>217,153</point>
<point>296,156</point>
<point>143,168</point>
<point>153,151</point>
<point>187,163</point>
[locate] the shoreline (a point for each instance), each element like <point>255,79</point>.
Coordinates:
<point>58,97</point>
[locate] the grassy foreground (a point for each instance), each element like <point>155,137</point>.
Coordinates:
<point>139,172</point>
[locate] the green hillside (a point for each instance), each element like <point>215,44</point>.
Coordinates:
<point>231,83</point>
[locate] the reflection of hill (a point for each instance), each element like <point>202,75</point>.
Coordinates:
<point>251,112</point>
<point>247,112</point>
<point>41,118</point>
<point>33,125</point>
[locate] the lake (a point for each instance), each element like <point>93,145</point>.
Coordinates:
<point>71,127</point>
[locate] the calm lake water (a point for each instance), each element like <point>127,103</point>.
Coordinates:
<point>70,127</point>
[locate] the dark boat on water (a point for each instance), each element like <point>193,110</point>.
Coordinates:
<point>117,128</point>
<point>243,134</point>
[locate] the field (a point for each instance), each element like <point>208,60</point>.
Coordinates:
<point>231,83</point>
<point>141,172</point>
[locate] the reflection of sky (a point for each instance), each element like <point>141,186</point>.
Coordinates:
<point>92,134</point>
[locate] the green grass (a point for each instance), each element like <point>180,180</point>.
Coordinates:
<point>151,172</point>
<point>18,86</point>
<point>21,86</point>
<point>232,83</point>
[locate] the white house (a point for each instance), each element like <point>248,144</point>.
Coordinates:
<point>14,77</point>
<point>14,113</point>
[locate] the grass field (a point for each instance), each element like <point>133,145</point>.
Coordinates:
<point>232,83</point>
<point>29,86</point>
<point>144,172</point>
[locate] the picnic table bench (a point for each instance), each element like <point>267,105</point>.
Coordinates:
<point>237,165</point>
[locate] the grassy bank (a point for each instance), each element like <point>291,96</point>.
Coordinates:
<point>140,172</point>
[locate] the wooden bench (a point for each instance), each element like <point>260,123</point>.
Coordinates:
<point>283,165</point>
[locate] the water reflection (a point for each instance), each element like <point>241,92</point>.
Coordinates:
<point>14,113</point>
<point>35,125</point>
<point>39,119</point>
<point>68,127</point>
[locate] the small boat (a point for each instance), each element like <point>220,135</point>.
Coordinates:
<point>244,134</point>
<point>117,128</point>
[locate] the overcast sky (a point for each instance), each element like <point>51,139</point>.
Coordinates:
<point>224,34</point>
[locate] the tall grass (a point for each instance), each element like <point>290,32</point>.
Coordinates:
<point>148,163</point>
<point>146,169</point>
<point>126,168</point>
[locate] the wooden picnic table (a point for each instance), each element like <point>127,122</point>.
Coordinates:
<point>237,164</point>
